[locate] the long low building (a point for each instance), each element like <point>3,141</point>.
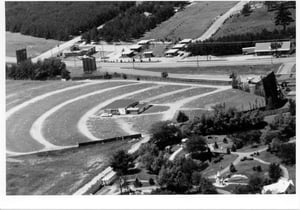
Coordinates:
<point>268,48</point>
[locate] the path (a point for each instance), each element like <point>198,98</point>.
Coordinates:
<point>219,22</point>
<point>241,155</point>
<point>174,154</point>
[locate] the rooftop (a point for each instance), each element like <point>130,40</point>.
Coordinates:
<point>171,51</point>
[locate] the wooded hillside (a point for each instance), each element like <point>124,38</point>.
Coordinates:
<point>59,20</point>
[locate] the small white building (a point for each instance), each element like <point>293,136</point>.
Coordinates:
<point>144,42</point>
<point>179,46</point>
<point>171,52</point>
<point>282,186</point>
<point>136,48</point>
<point>185,41</point>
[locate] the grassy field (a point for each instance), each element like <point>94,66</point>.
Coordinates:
<point>19,124</point>
<point>181,95</point>
<point>187,24</point>
<point>246,168</point>
<point>157,91</point>
<point>34,46</point>
<point>62,125</point>
<point>259,19</point>
<point>156,109</point>
<point>232,98</point>
<point>142,123</point>
<point>241,69</point>
<point>59,172</point>
<point>18,91</point>
<point>104,128</point>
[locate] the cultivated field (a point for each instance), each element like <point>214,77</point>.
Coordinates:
<point>186,24</point>
<point>34,46</point>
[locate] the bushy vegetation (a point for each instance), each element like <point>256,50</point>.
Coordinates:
<point>59,20</point>
<point>165,133</point>
<point>224,121</point>
<point>182,175</point>
<point>121,162</point>
<point>244,138</point>
<point>233,44</point>
<point>134,22</point>
<point>42,70</point>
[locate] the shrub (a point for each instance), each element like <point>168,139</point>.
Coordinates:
<point>151,181</point>
<point>182,117</point>
<point>232,168</point>
<point>164,75</point>
<point>124,76</point>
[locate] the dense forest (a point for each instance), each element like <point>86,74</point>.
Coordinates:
<point>133,23</point>
<point>233,44</point>
<point>59,20</point>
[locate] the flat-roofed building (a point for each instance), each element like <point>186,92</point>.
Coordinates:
<point>119,107</point>
<point>185,41</point>
<point>171,52</point>
<point>268,48</point>
<point>136,48</point>
<point>148,54</point>
<point>127,53</point>
<point>248,50</point>
<point>144,42</point>
<point>179,46</point>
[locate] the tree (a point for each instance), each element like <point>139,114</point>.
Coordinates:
<point>283,16</point>
<point>274,172</point>
<point>164,133</point>
<point>232,168</point>
<point>151,181</point>
<point>164,74</point>
<point>287,152</point>
<point>292,107</point>
<point>206,187</point>
<point>246,10</point>
<point>196,144</point>
<point>182,117</point>
<point>121,162</point>
<point>256,182</point>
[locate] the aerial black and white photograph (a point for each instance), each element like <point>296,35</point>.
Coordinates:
<point>150,98</point>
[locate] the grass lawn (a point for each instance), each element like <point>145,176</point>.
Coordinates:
<point>143,123</point>
<point>35,46</point>
<point>232,98</point>
<point>246,168</point>
<point>59,172</point>
<point>18,125</point>
<point>215,167</point>
<point>268,157</point>
<point>181,95</point>
<point>240,69</point>
<point>186,24</point>
<point>259,19</point>
<point>157,91</point>
<point>156,109</point>
<point>21,91</point>
<point>104,128</point>
<point>62,125</point>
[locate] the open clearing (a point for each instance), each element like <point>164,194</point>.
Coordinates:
<point>59,172</point>
<point>186,24</point>
<point>35,46</point>
<point>258,20</point>
<point>232,98</point>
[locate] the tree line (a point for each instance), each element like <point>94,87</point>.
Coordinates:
<point>59,20</point>
<point>134,22</point>
<point>42,70</point>
<point>233,44</point>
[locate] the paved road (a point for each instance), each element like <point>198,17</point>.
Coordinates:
<point>286,68</point>
<point>219,22</point>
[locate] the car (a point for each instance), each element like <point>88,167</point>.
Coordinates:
<point>106,115</point>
